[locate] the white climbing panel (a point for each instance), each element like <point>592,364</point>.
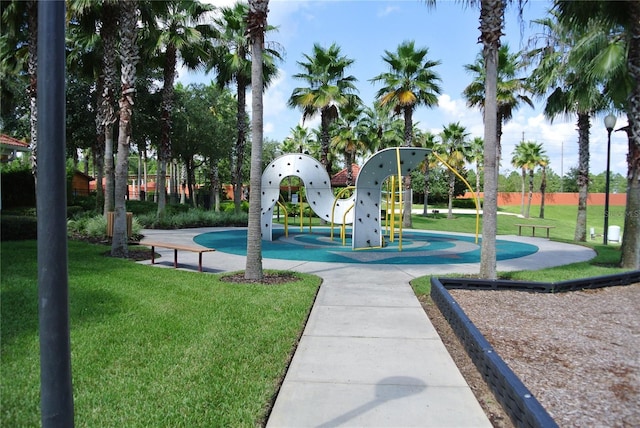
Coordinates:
<point>317,185</point>
<point>367,224</point>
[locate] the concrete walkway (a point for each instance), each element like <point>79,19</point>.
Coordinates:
<point>369,356</point>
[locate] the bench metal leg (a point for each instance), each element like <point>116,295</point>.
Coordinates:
<point>175,258</point>
<point>153,255</point>
<point>200,262</point>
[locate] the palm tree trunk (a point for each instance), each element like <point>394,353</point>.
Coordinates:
<point>425,208</point>
<point>522,190</point>
<point>349,159</point>
<point>584,124</point>
<point>214,193</point>
<point>109,201</point>
<point>325,121</point>
<point>543,190</point>
<point>452,184</point>
<point>528,212</point>
<point>129,60</point>
<point>408,138</point>
<point>630,258</point>
<point>240,144</point>
<point>491,23</point>
<point>169,74</point>
<point>32,69</point>
<point>109,34</point>
<point>256,23</point>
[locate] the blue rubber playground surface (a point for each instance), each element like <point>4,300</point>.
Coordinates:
<point>417,247</point>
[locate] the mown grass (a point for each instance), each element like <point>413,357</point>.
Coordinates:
<point>151,347</point>
<point>564,220</point>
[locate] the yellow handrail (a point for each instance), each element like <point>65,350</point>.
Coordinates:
<point>333,208</point>
<point>400,199</point>
<point>286,219</point>
<point>343,229</point>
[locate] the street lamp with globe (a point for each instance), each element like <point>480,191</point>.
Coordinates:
<point>609,123</point>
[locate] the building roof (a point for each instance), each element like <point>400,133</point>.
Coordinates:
<point>340,179</point>
<point>13,143</point>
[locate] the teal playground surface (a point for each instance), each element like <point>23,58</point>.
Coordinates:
<point>418,247</point>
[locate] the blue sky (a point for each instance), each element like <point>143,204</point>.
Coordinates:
<point>364,29</point>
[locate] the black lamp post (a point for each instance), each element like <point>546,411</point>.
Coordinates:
<point>609,123</point>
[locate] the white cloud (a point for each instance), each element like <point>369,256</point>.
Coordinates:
<point>387,11</point>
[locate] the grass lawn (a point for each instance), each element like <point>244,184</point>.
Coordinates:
<point>151,347</point>
<point>162,347</point>
<point>562,217</point>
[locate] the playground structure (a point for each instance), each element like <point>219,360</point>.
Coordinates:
<point>362,209</point>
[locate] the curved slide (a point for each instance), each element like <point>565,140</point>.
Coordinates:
<point>367,230</point>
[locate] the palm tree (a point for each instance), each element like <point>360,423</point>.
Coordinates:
<point>20,37</point>
<point>427,140</point>
<point>174,27</point>
<point>382,129</point>
<point>454,142</point>
<point>560,69</point>
<point>233,64</point>
<point>511,90</point>
<point>620,21</point>
<point>544,162</point>
<point>96,56</point>
<point>476,147</point>
<point>348,137</point>
<point>106,111</point>
<point>518,160</point>
<point>327,90</point>
<point>297,141</point>
<point>129,60</point>
<point>410,82</point>
<point>256,24</point>
<point>529,155</point>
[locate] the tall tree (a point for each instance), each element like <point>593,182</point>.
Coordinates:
<point>256,25</point>
<point>454,143</point>
<point>233,62</point>
<point>327,88</point>
<point>179,35</point>
<point>20,36</point>
<point>569,91</point>
<point>528,155</point>
<point>518,160</point>
<point>129,61</point>
<point>512,89</point>
<point>297,141</point>
<point>426,140</point>
<point>347,138</point>
<point>621,23</point>
<point>106,101</point>
<point>410,82</point>
<point>476,146</point>
<point>544,163</point>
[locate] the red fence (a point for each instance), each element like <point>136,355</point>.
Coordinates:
<point>514,198</point>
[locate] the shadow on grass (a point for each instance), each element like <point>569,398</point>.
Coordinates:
<point>20,310</point>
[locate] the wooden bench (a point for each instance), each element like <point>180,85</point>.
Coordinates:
<point>534,227</point>
<point>175,248</point>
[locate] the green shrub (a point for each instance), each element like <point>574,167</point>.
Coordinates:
<point>18,228</point>
<point>142,207</point>
<point>74,211</point>
<point>88,203</point>
<point>464,203</point>
<point>195,217</point>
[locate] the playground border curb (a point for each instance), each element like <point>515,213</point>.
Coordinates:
<point>516,399</point>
